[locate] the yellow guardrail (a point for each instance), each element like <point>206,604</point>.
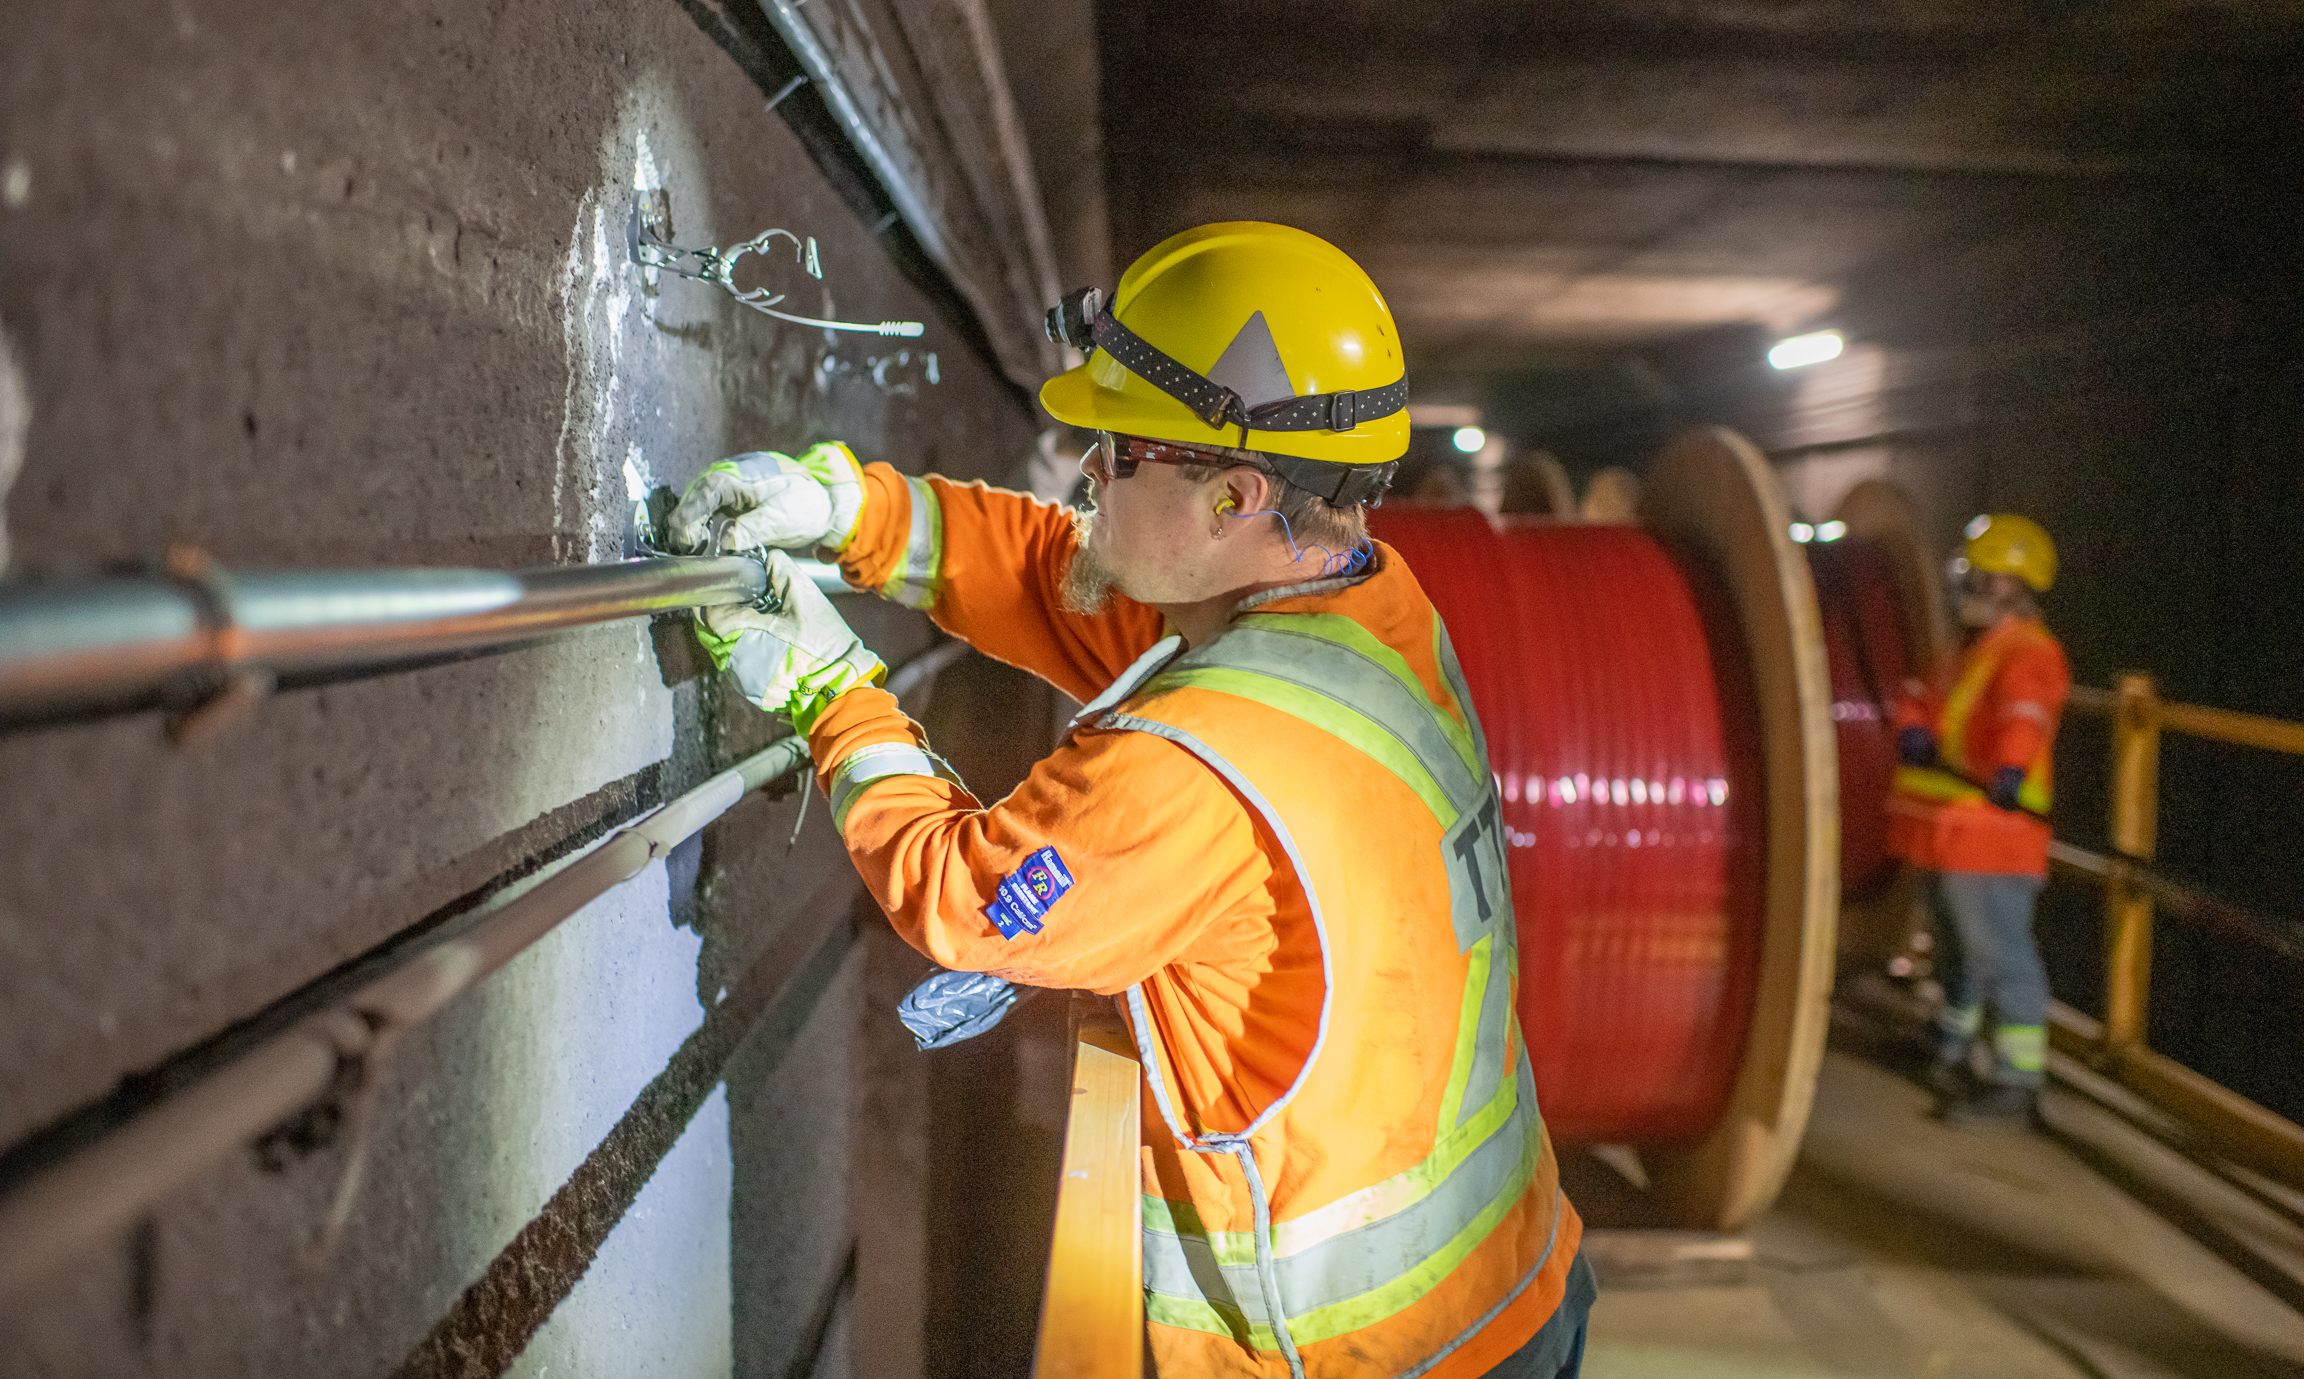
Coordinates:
<point>1092,1313</point>
<point>2236,1127</point>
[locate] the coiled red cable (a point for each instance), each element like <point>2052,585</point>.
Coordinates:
<point>1619,723</point>
<point>1864,645</point>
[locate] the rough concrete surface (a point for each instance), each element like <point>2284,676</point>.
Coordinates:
<point>345,287</point>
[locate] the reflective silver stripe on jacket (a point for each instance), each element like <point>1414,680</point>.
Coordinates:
<point>1358,1261</point>
<point>917,579</point>
<point>879,761</point>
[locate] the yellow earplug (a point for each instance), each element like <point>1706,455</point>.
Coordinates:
<point>1223,505</point>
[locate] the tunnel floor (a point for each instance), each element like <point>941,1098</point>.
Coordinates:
<point>2087,1249</point>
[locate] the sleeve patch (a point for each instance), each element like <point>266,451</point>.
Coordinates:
<point>1026,893</point>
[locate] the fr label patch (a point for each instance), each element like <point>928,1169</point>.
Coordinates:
<point>1026,893</point>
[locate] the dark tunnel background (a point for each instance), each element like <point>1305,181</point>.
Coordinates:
<point>2072,238</point>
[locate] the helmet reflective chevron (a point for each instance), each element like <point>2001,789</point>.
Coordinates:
<point>1248,335</point>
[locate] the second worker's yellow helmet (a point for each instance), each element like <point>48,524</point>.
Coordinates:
<point>2007,544</point>
<point>1248,335</point>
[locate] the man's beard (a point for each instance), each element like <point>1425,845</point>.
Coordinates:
<point>1089,583</point>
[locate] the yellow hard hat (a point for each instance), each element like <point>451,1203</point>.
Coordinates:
<point>1250,335</point>
<point>2006,544</point>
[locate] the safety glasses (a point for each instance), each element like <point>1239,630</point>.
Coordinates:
<point>1119,455</point>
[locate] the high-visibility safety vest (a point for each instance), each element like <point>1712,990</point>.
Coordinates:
<point>1942,811</point>
<point>1396,1193</point>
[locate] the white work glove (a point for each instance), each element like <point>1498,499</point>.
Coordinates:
<point>795,661</point>
<point>774,500</point>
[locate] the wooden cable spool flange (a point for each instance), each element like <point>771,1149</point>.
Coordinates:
<point>1880,512</point>
<point>1657,708</point>
<point>1882,602</point>
<point>1865,654</point>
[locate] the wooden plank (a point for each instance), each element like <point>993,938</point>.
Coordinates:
<point>1092,1314</point>
<point>2197,720</point>
<point>2229,1123</point>
<point>2135,827</point>
<point>2244,729</point>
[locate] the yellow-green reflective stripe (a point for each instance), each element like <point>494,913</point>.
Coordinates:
<point>1352,1248</point>
<point>1494,1042</point>
<point>1467,1030</point>
<point>1403,1291</point>
<point>1961,703</point>
<point>2024,1046</point>
<point>1931,784</point>
<point>1168,1262</point>
<point>918,570</point>
<point>1197,1314</point>
<point>1444,654</point>
<point>1342,674</point>
<point>1369,1204</point>
<point>1321,712</point>
<point>1334,627</point>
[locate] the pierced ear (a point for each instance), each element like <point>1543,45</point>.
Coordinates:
<point>1247,490</point>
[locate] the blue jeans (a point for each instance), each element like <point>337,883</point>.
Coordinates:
<point>1986,959</point>
<point>1556,1351</point>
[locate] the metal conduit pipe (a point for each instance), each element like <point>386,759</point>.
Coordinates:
<point>90,1197</point>
<point>81,647</point>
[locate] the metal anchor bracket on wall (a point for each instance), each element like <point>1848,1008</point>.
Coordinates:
<point>649,235</point>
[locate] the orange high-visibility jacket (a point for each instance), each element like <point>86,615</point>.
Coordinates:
<point>1280,851</point>
<point>1994,705</point>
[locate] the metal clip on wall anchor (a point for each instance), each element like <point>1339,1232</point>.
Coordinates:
<point>239,687</point>
<point>769,600</point>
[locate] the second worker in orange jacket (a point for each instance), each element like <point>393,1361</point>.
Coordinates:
<point>1970,808</point>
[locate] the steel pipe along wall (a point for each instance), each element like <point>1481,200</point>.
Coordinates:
<point>93,1195</point>
<point>76,648</point>
<point>1658,718</point>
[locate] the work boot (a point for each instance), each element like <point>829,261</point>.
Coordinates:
<point>1994,1106</point>
<point>1949,1079</point>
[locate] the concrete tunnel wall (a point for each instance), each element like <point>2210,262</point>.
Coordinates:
<point>346,287</point>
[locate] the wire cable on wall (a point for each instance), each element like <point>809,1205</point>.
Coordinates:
<point>650,222</point>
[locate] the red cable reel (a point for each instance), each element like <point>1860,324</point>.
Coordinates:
<point>1864,644</point>
<point>1619,724</point>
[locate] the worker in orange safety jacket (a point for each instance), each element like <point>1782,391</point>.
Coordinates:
<point>1272,834</point>
<point>1970,807</point>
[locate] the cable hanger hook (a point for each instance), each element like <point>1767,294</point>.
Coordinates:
<point>718,266</point>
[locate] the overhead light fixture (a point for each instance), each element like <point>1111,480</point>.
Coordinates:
<point>1800,351</point>
<point>1469,439</point>
<point>1831,531</point>
<point>1802,532</point>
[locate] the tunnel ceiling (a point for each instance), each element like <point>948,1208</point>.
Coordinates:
<point>1532,182</point>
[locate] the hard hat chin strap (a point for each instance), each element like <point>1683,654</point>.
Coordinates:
<point>1084,320</point>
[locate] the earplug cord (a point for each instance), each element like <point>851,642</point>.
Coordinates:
<point>1337,563</point>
